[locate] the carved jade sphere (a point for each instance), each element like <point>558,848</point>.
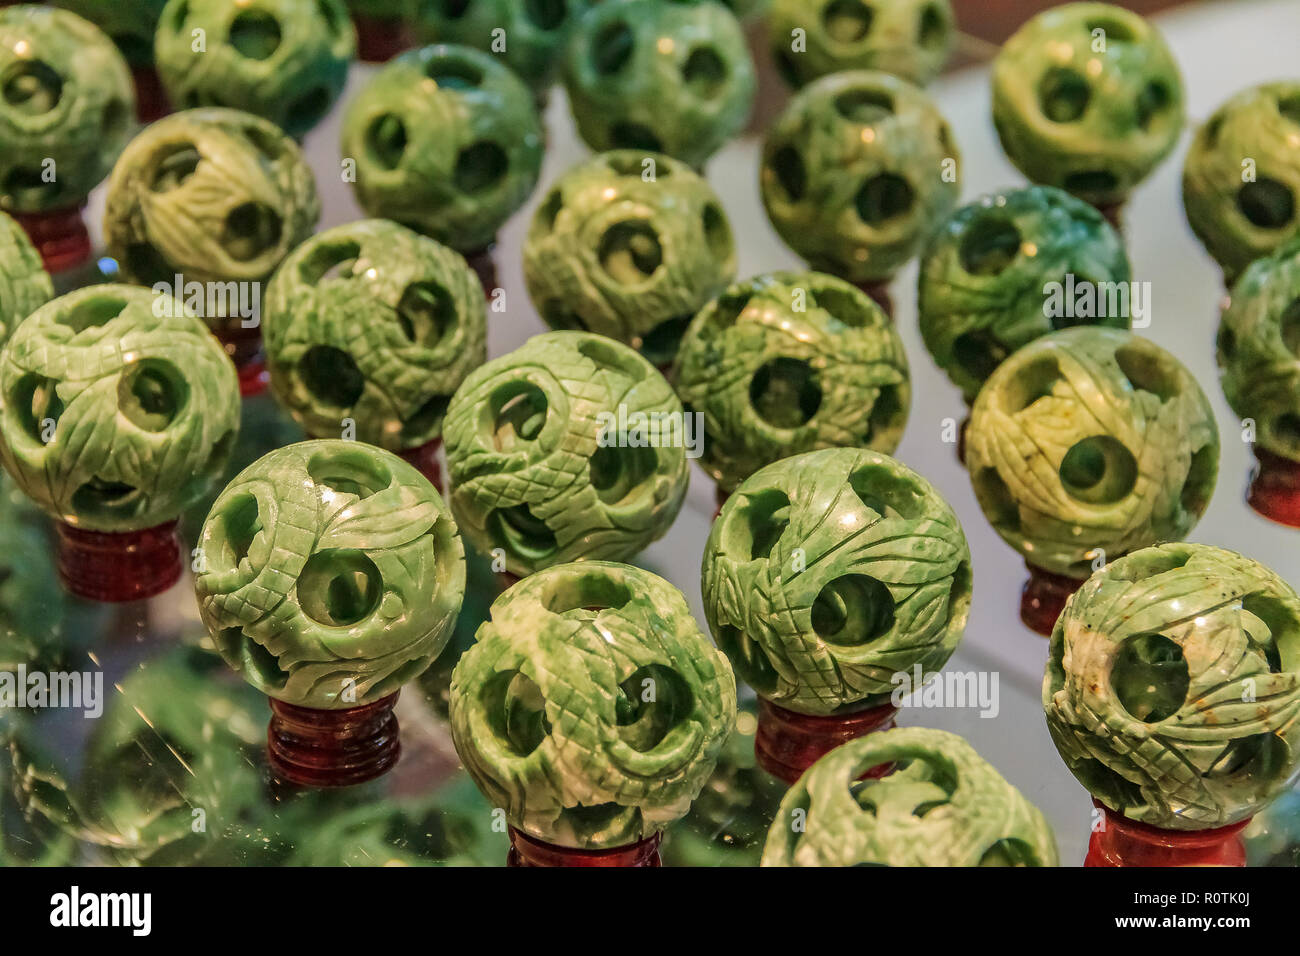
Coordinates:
<point>1172,686</point>
<point>673,78</point>
<point>788,362</point>
<point>857,172</point>
<point>332,574</point>
<point>828,573</point>
<point>283,60</point>
<point>1087,97</point>
<point>945,806</point>
<point>1088,444</point>
<point>66,112</point>
<point>908,38</point>
<point>120,410</point>
<point>447,141</point>
<point>374,323</point>
<point>1240,219</point>
<point>130,24</point>
<point>981,286</point>
<point>631,246</point>
<point>213,195</point>
<point>570,447</point>
<point>25,286</point>
<point>591,708</point>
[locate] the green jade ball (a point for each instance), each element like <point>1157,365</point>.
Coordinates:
<point>830,572</point>
<point>447,141</point>
<point>1087,97</point>
<point>591,708</point>
<point>789,362</point>
<point>944,806</point>
<point>983,275</point>
<point>25,286</point>
<point>1088,444</point>
<point>674,78</point>
<point>857,172</point>
<point>1241,177</point>
<point>813,38</point>
<point>373,324</point>
<point>571,447</point>
<point>1172,685</point>
<point>283,60</point>
<point>130,24</point>
<point>629,245</point>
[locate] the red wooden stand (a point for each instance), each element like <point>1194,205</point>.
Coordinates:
<point>879,292</point>
<point>484,264</point>
<point>244,346</point>
<point>787,743</point>
<point>1125,842</point>
<point>1275,488</point>
<point>528,851</point>
<point>151,101</point>
<point>379,39</point>
<point>1114,213</point>
<point>425,460</point>
<point>1043,598</point>
<point>118,566</point>
<point>60,236</point>
<point>332,748</point>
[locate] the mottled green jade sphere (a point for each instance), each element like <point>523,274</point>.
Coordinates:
<point>788,362</point>
<point>284,60</point>
<point>1088,444</point>
<point>119,408</point>
<point>571,447</point>
<point>813,38</point>
<point>1087,97</point>
<point>130,24</point>
<point>1241,177</point>
<point>534,32</point>
<point>857,172</point>
<point>981,286</point>
<point>445,140</point>
<point>629,245</point>
<point>1259,350</point>
<point>591,708</point>
<point>673,78</point>
<point>1173,684</point>
<point>376,324</point>
<point>332,574</point>
<point>67,109</point>
<point>213,195</point>
<point>944,806</point>
<point>25,286</point>
<point>828,573</point>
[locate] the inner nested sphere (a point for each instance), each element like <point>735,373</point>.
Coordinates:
<point>630,251</point>
<point>1150,677</point>
<point>785,392</point>
<point>339,588</point>
<point>853,609</point>
<point>991,243</point>
<point>847,21</point>
<point>1098,470</point>
<point>31,87</point>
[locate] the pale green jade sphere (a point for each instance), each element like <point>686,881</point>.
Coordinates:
<point>1241,177</point>
<point>119,408</point>
<point>591,708</point>
<point>1172,686</point>
<point>943,806</point>
<point>1088,444</point>
<point>829,573</point>
<point>332,574</point>
<point>630,245</point>
<point>788,362</point>
<point>25,286</point>
<point>857,172</point>
<point>571,447</point>
<point>373,323</point>
<point>67,108</point>
<point>1087,97</point>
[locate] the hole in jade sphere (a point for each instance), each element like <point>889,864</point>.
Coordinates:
<point>611,48</point>
<point>546,14</point>
<point>978,353</point>
<point>31,87</point>
<point>102,496</point>
<point>996,500</point>
<point>453,73</point>
<point>791,174</point>
<point>91,312</point>
<point>887,494</point>
<point>1033,381</point>
<point>1098,470</point>
<point>1289,324</point>
<point>522,532</point>
<point>629,251</point>
<point>1278,642</point>
<point>1009,852</point>
<point>932,28</point>
<point>331,376</point>
<point>175,166</point>
<point>705,73</point>
<point>255,34</point>
<point>785,393</point>
<point>756,523</point>
<point>884,197</point>
<point>28,184</point>
<point>853,609</point>
<point>480,167</point>
<point>386,140</point>
<point>748,657</point>
<point>887,413</point>
<point>1152,102</point>
<point>1202,473</point>
<point>617,472</point>
<point>650,703</point>
<point>1063,95</point>
<point>516,711</point>
<point>151,393</point>
<point>592,592</point>
<point>1267,203</point>
<point>991,243</point>
<point>339,588</point>
<point>237,527</point>
<point>1149,677</point>
<point>328,260</point>
<point>349,472</point>
<point>250,230</point>
<point>1115,30</point>
<point>847,21</point>
<point>36,402</point>
<point>1287,427</point>
<point>864,106</point>
<point>426,313</point>
<point>251,658</point>
<point>518,413</point>
<point>626,135</point>
<point>1148,370</point>
<point>1260,756</point>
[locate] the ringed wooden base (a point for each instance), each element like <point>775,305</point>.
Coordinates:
<point>379,39</point>
<point>60,236</point>
<point>788,743</point>
<point>879,292</point>
<point>425,460</point>
<point>151,101</point>
<point>1125,842</point>
<point>1043,598</point>
<point>528,851</point>
<point>484,264</point>
<point>1275,488</point>
<point>244,346</point>
<point>118,566</point>
<point>311,747</point>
